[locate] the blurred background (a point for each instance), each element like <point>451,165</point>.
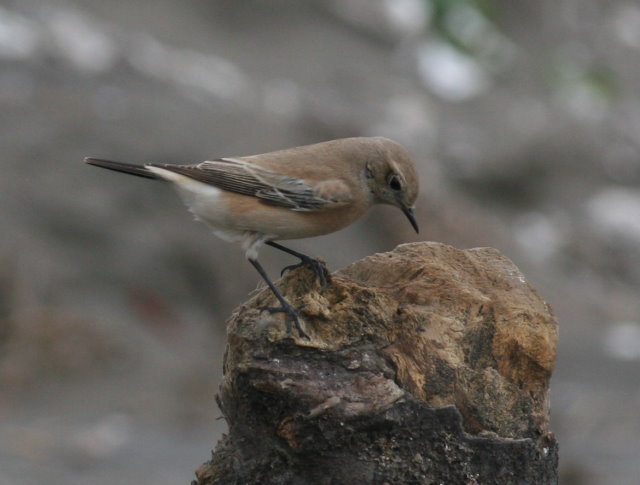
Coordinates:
<point>524,120</point>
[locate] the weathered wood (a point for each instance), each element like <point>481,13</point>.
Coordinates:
<point>425,365</point>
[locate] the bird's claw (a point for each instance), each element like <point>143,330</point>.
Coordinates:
<point>292,316</point>
<point>317,266</point>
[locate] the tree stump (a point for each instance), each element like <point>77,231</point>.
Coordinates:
<point>425,365</point>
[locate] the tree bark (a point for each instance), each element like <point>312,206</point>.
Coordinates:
<point>425,365</point>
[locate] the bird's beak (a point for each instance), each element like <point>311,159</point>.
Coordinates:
<point>412,218</point>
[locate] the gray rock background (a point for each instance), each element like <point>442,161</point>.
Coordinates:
<point>524,119</point>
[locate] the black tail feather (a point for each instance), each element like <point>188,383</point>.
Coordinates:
<point>129,168</point>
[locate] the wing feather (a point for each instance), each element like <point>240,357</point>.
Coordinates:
<point>268,186</point>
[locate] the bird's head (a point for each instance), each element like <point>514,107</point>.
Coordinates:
<point>392,177</point>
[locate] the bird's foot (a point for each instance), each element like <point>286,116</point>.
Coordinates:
<point>292,315</point>
<point>317,266</point>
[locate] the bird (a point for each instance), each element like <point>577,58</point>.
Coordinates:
<point>293,193</point>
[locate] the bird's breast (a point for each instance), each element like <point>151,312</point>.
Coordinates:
<point>251,214</point>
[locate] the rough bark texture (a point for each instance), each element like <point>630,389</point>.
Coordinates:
<point>426,365</point>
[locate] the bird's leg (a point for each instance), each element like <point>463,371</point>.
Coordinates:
<point>318,267</point>
<point>292,312</point>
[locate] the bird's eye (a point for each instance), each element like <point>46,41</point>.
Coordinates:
<point>394,183</point>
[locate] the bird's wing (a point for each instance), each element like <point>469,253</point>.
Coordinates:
<point>268,186</point>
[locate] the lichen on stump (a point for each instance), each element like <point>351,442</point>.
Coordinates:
<point>427,364</point>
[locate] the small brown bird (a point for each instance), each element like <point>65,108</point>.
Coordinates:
<point>290,194</point>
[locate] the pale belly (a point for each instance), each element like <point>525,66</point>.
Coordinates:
<point>245,219</point>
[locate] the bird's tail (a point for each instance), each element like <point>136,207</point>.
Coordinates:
<point>129,168</point>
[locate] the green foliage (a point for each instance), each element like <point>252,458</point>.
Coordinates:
<point>459,22</point>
